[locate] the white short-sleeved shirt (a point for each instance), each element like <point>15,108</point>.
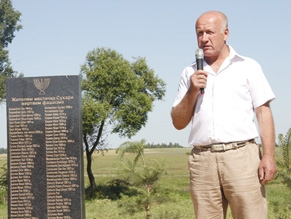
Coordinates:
<point>225,112</point>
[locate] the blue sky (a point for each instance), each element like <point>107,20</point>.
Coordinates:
<point>58,34</point>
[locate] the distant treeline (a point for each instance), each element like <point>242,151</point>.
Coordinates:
<point>3,151</point>
<point>170,145</point>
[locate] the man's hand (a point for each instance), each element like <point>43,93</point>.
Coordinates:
<point>198,80</point>
<point>267,169</point>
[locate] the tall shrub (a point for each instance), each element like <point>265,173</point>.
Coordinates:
<point>285,163</point>
<point>143,177</point>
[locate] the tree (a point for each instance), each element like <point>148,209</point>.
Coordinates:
<point>133,148</point>
<point>9,19</point>
<point>117,95</point>
<point>144,177</point>
<point>285,164</point>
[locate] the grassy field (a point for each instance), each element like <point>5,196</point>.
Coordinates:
<point>174,182</point>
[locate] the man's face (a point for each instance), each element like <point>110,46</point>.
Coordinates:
<point>211,36</point>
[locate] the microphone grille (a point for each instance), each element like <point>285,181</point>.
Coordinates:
<point>199,54</point>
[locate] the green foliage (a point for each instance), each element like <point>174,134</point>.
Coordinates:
<point>284,164</point>
<point>133,148</point>
<point>3,151</point>
<point>118,95</point>
<point>141,201</point>
<point>133,204</point>
<point>3,185</point>
<point>8,22</point>
<point>9,19</point>
<point>279,203</point>
<point>3,177</point>
<point>142,178</point>
<point>119,91</point>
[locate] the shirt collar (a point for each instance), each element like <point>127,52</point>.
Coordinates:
<point>234,56</point>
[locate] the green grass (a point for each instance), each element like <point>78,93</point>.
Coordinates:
<point>174,184</point>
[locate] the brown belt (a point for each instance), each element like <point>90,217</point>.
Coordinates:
<point>218,147</point>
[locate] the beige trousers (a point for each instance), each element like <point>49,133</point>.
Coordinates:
<point>219,179</point>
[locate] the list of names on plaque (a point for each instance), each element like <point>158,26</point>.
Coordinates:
<point>59,167</point>
<point>45,156</point>
<point>22,151</point>
<point>35,122</point>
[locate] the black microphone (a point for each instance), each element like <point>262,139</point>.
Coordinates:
<point>199,62</point>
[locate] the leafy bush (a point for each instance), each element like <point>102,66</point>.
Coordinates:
<point>3,185</point>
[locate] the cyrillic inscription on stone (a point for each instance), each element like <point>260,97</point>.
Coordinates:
<point>45,156</point>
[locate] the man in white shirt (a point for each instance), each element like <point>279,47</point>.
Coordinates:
<point>226,166</point>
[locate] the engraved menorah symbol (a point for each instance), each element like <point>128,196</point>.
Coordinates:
<point>41,84</point>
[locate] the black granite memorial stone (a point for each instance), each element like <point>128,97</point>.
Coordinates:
<point>45,156</point>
